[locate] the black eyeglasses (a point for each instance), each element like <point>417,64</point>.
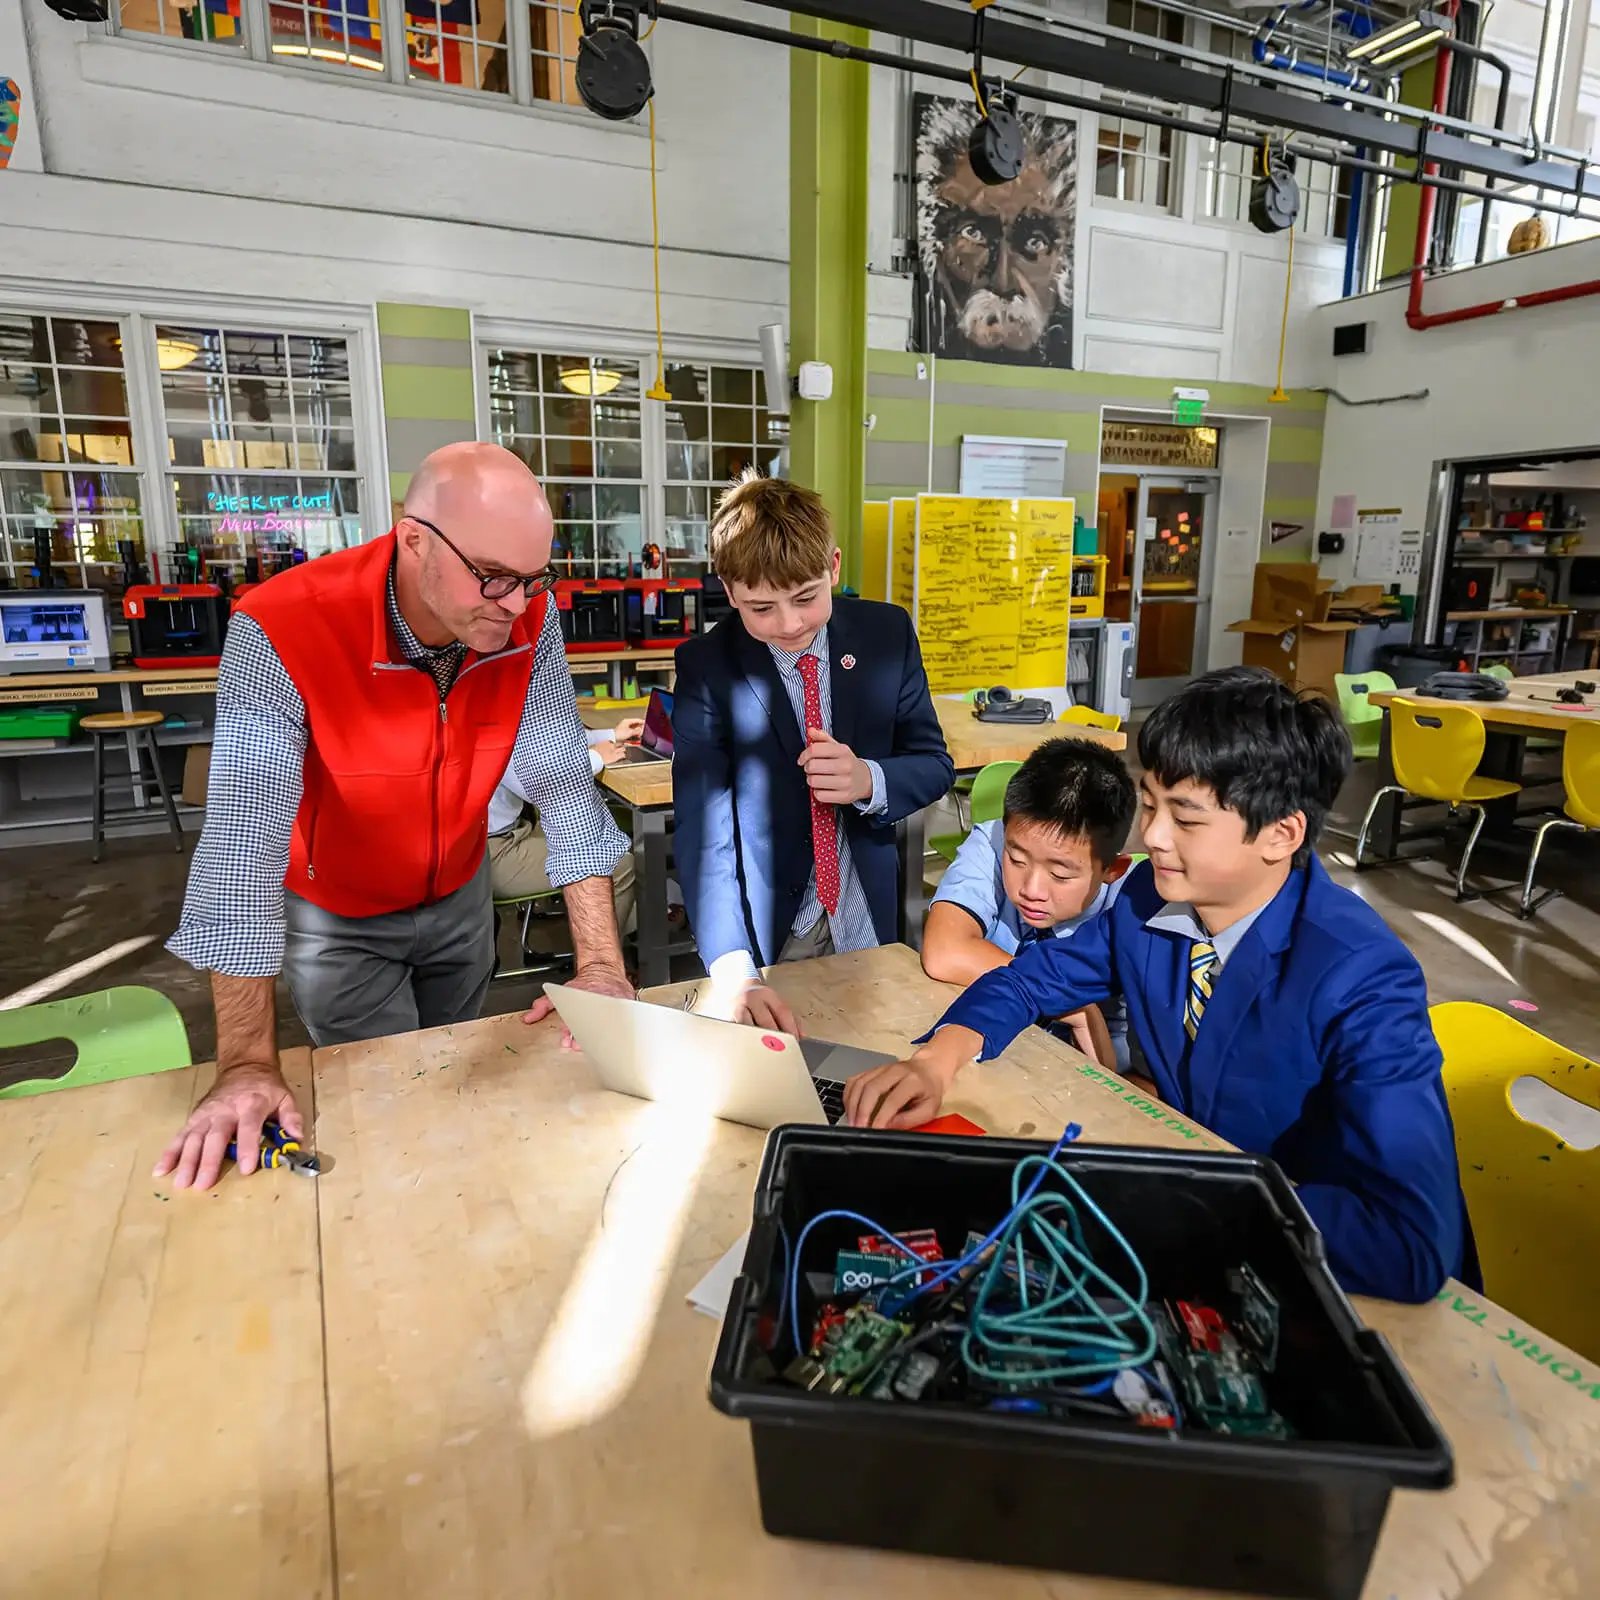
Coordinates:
<point>497,585</point>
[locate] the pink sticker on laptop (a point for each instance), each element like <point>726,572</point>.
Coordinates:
<point>773,1042</point>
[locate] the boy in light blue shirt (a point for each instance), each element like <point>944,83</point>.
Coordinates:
<point>1049,866</point>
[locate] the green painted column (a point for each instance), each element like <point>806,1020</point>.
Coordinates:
<point>1405,199</point>
<point>425,356</point>
<point>828,102</point>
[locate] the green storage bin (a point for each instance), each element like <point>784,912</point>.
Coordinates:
<point>39,722</point>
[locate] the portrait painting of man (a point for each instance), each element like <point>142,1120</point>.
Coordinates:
<point>996,259</point>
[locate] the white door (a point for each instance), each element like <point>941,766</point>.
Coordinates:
<point>1171,583</point>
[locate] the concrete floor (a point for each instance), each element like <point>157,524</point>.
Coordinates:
<point>68,926</point>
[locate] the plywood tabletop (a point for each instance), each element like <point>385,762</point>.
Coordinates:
<point>515,1386</point>
<point>1530,703</point>
<point>973,744</point>
<point>161,1374</point>
<point>56,680</point>
<point>639,783</point>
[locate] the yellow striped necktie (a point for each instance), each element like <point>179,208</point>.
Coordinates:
<point>1202,964</point>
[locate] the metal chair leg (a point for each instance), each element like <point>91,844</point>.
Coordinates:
<point>1462,892</point>
<point>1372,811</point>
<point>1528,904</point>
<point>154,750</point>
<point>98,825</point>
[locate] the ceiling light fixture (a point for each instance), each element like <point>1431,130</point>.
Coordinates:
<point>1406,38</point>
<point>590,381</point>
<point>172,355</point>
<point>319,54</point>
<point>173,351</point>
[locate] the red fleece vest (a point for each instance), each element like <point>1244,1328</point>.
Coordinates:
<point>397,786</point>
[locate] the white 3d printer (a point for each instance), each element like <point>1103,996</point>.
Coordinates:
<point>53,630</point>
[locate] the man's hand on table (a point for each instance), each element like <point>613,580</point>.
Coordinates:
<point>905,1094</point>
<point>751,1001</point>
<point>595,978</point>
<point>242,1098</point>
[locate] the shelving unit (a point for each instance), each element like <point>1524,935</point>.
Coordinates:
<point>1532,638</point>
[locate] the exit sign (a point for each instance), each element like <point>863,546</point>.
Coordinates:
<point>1189,413</point>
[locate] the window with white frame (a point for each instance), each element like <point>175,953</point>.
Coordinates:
<point>620,470</point>
<point>68,471</point>
<point>260,443</point>
<point>577,421</point>
<point>475,45</point>
<point>1136,161</point>
<point>716,425</point>
<point>1227,171</point>
<point>1561,104</point>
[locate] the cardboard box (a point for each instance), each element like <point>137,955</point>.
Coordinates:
<point>196,773</point>
<point>1288,630</point>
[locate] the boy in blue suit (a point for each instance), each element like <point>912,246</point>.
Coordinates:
<point>802,733</point>
<point>1270,1005</point>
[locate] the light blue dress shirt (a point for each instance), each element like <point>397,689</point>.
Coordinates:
<point>974,883</point>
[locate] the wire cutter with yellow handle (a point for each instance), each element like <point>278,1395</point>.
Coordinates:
<point>280,1149</point>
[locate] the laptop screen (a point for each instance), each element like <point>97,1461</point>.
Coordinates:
<point>657,733</point>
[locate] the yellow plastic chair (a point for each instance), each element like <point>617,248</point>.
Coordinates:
<point>1580,775</point>
<point>1436,751</point>
<point>1088,717</point>
<point>1363,721</point>
<point>1530,1195</point>
<point>124,1032</point>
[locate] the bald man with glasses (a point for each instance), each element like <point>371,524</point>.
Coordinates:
<point>368,705</point>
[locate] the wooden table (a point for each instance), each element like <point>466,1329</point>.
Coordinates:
<point>1530,707</point>
<point>161,1370</point>
<point>646,790</point>
<point>973,744</point>
<point>488,1287</point>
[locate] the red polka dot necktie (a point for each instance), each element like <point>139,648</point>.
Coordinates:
<point>824,829</point>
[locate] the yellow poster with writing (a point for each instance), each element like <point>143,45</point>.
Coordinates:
<point>993,582</point>
<point>875,550</point>
<point>903,553</point>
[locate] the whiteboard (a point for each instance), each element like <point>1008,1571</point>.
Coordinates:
<point>997,468</point>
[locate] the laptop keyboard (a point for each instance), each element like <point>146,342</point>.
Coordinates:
<point>831,1095</point>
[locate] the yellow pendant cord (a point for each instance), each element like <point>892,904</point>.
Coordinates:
<point>1279,395</point>
<point>658,390</point>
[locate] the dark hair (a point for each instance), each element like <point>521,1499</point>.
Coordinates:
<point>1079,788</point>
<point>1264,750</point>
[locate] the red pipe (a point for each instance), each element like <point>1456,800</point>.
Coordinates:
<point>1421,320</point>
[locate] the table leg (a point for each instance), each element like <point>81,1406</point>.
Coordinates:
<point>1383,835</point>
<point>650,905</point>
<point>1502,758</point>
<point>135,766</point>
<point>910,835</point>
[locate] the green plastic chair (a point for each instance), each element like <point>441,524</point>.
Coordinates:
<point>1363,720</point>
<point>126,1032</point>
<point>986,803</point>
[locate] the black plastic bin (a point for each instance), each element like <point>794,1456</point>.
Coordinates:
<point>1298,1517</point>
<point>1413,664</point>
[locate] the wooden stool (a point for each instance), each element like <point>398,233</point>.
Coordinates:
<point>140,726</point>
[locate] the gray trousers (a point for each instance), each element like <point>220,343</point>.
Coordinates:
<point>363,977</point>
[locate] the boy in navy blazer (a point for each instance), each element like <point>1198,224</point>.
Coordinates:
<point>1270,1005</point>
<point>802,733</point>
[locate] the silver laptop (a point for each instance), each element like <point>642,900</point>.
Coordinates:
<point>752,1075</point>
<point>655,742</point>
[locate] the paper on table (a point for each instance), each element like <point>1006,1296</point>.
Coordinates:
<point>710,1295</point>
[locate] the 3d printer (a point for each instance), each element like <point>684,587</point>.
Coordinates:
<point>179,624</point>
<point>660,613</point>
<point>590,610</point>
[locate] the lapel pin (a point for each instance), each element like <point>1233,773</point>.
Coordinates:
<point>847,662</point>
